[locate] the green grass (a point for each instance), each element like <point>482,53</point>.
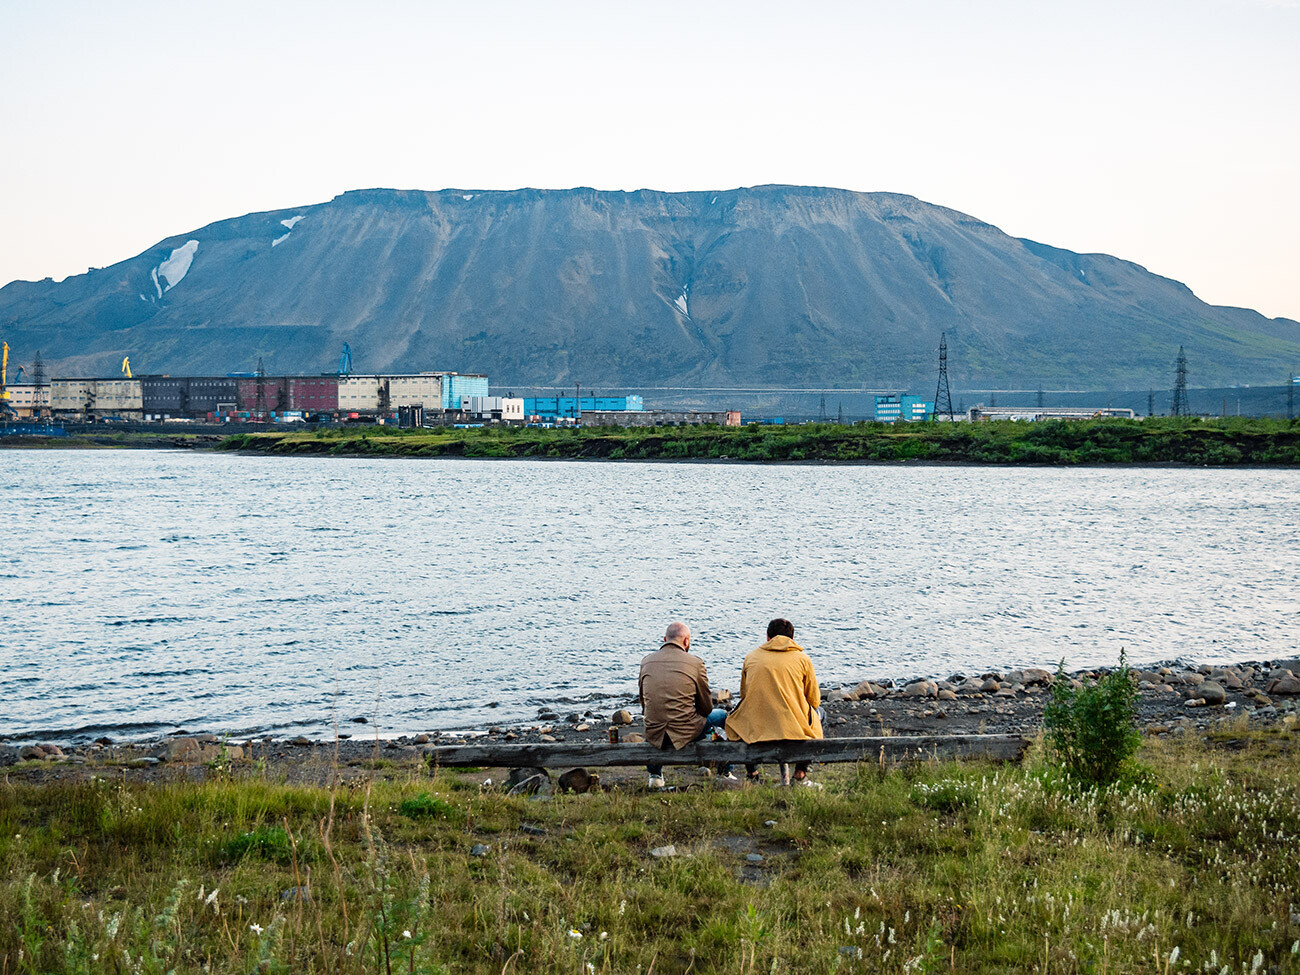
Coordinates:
<point>1222,442</point>
<point>937,867</point>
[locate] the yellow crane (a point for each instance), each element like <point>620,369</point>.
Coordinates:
<point>5,408</point>
<point>126,367</point>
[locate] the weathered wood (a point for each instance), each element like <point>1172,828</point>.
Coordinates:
<point>889,748</point>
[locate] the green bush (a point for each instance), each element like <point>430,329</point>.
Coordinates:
<point>1092,731</point>
<point>425,806</point>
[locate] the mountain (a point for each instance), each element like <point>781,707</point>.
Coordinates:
<point>770,286</point>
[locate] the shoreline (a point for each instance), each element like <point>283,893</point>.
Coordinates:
<point>1262,693</point>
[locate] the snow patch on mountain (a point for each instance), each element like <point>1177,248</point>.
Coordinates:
<point>288,224</point>
<point>467,197</point>
<point>680,302</point>
<point>174,269</point>
<point>280,240</point>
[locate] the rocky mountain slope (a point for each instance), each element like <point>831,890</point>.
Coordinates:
<point>767,286</point>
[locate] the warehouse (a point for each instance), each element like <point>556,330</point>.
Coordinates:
<point>548,409</point>
<point>659,418</point>
<point>165,396</point>
<point>97,397</point>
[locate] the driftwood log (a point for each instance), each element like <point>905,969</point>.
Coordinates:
<point>885,749</point>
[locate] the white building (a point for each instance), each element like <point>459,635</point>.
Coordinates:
<point>509,409</point>
<point>96,397</point>
<point>365,393</point>
<point>27,399</point>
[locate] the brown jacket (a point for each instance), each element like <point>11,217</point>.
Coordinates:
<point>675,696</point>
<point>779,696</point>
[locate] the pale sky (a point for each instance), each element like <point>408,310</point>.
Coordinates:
<point>1166,133</point>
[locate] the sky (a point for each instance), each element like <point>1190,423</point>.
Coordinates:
<point>1165,133</point>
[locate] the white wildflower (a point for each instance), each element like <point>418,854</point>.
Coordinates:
<point>1173,956</point>
<point>1257,962</point>
<point>622,906</point>
<point>255,928</point>
<point>604,935</point>
<point>575,934</point>
<point>406,934</point>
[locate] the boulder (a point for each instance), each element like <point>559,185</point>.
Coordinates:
<point>990,686</point>
<point>622,717</point>
<point>8,755</point>
<point>921,688</point>
<point>947,695</point>
<point>1212,693</point>
<point>867,691</point>
<point>578,780</point>
<point>195,750</point>
<point>663,852</point>
<point>1284,686</point>
<point>634,738</point>
<point>530,786</point>
<point>518,775</point>
<point>30,753</point>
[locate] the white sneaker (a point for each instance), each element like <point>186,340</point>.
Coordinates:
<point>730,776</point>
<point>656,782</point>
<point>805,781</point>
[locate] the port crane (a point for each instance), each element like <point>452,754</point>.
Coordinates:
<point>345,360</point>
<point>126,367</point>
<point>5,408</point>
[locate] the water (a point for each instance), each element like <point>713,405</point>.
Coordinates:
<point>143,591</point>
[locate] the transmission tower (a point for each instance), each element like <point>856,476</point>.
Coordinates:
<point>1151,402</point>
<point>942,394</point>
<point>38,379</point>
<point>1180,386</point>
<point>841,419</point>
<point>259,409</point>
<point>821,410</point>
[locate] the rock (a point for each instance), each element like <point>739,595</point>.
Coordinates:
<point>921,688</point>
<point>422,739</point>
<point>990,686</point>
<point>753,858</point>
<point>530,786</point>
<point>146,761</point>
<point>105,741</point>
<point>1291,722</point>
<point>662,852</point>
<point>583,727</point>
<point>480,850</point>
<point>529,829</point>
<point>1212,693</point>
<point>1262,700</point>
<point>510,736</point>
<point>517,775</point>
<point>30,753</point>
<point>549,738</point>
<point>721,696</point>
<point>8,755</point>
<point>867,691</point>
<point>634,738</point>
<point>578,780</point>
<point>1285,686</point>
<point>835,695</point>
<point>1195,702</point>
<point>622,717</point>
<point>300,741</point>
<point>545,715</point>
<point>769,823</point>
<point>359,720</point>
<point>296,894</point>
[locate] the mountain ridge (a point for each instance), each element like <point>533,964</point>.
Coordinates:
<point>774,283</point>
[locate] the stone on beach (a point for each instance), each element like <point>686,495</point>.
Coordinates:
<point>1211,693</point>
<point>622,717</point>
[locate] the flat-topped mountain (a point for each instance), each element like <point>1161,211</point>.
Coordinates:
<point>766,286</point>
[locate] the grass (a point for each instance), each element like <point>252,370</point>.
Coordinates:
<point>1219,442</point>
<point>928,868</point>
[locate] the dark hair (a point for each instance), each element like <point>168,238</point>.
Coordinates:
<point>780,627</point>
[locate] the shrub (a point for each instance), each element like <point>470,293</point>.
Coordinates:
<point>1092,732</point>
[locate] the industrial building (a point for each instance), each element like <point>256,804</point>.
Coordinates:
<point>97,397</point>
<point>501,409</point>
<point>659,418</point>
<point>29,399</point>
<point>891,409</point>
<point>548,409</point>
<point>977,414</point>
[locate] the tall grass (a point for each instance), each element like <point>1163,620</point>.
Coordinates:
<point>926,868</point>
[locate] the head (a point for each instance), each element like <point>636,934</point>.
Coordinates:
<point>678,633</point>
<point>780,627</point>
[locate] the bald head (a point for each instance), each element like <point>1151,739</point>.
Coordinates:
<point>678,633</point>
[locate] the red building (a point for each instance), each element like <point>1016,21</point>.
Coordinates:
<point>275,394</point>
<point>314,394</point>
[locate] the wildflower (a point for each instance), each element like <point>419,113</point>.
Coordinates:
<point>211,898</point>
<point>255,928</point>
<point>575,934</point>
<point>604,935</point>
<point>1295,948</point>
<point>1173,955</point>
<point>406,934</point>
<point>622,906</point>
<point>1257,962</point>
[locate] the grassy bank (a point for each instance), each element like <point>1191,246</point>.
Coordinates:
<point>1237,441</point>
<point>931,868</point>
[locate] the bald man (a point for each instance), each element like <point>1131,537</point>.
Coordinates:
<point>675,698</point>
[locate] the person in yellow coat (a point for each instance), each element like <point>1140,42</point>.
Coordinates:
<point>779,696</point>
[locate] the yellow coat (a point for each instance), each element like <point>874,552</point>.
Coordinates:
<point>779,696</point>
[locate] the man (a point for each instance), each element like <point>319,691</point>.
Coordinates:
<point>675,698</point>
<point>779,696</point>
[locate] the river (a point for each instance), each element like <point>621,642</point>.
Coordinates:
<point>145,591</point>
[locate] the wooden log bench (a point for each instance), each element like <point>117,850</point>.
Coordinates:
<point>886,749</point>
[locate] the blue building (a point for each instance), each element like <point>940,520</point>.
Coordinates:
<point>558,407</point>
<point>890,409</point>
<point>455,386</point>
